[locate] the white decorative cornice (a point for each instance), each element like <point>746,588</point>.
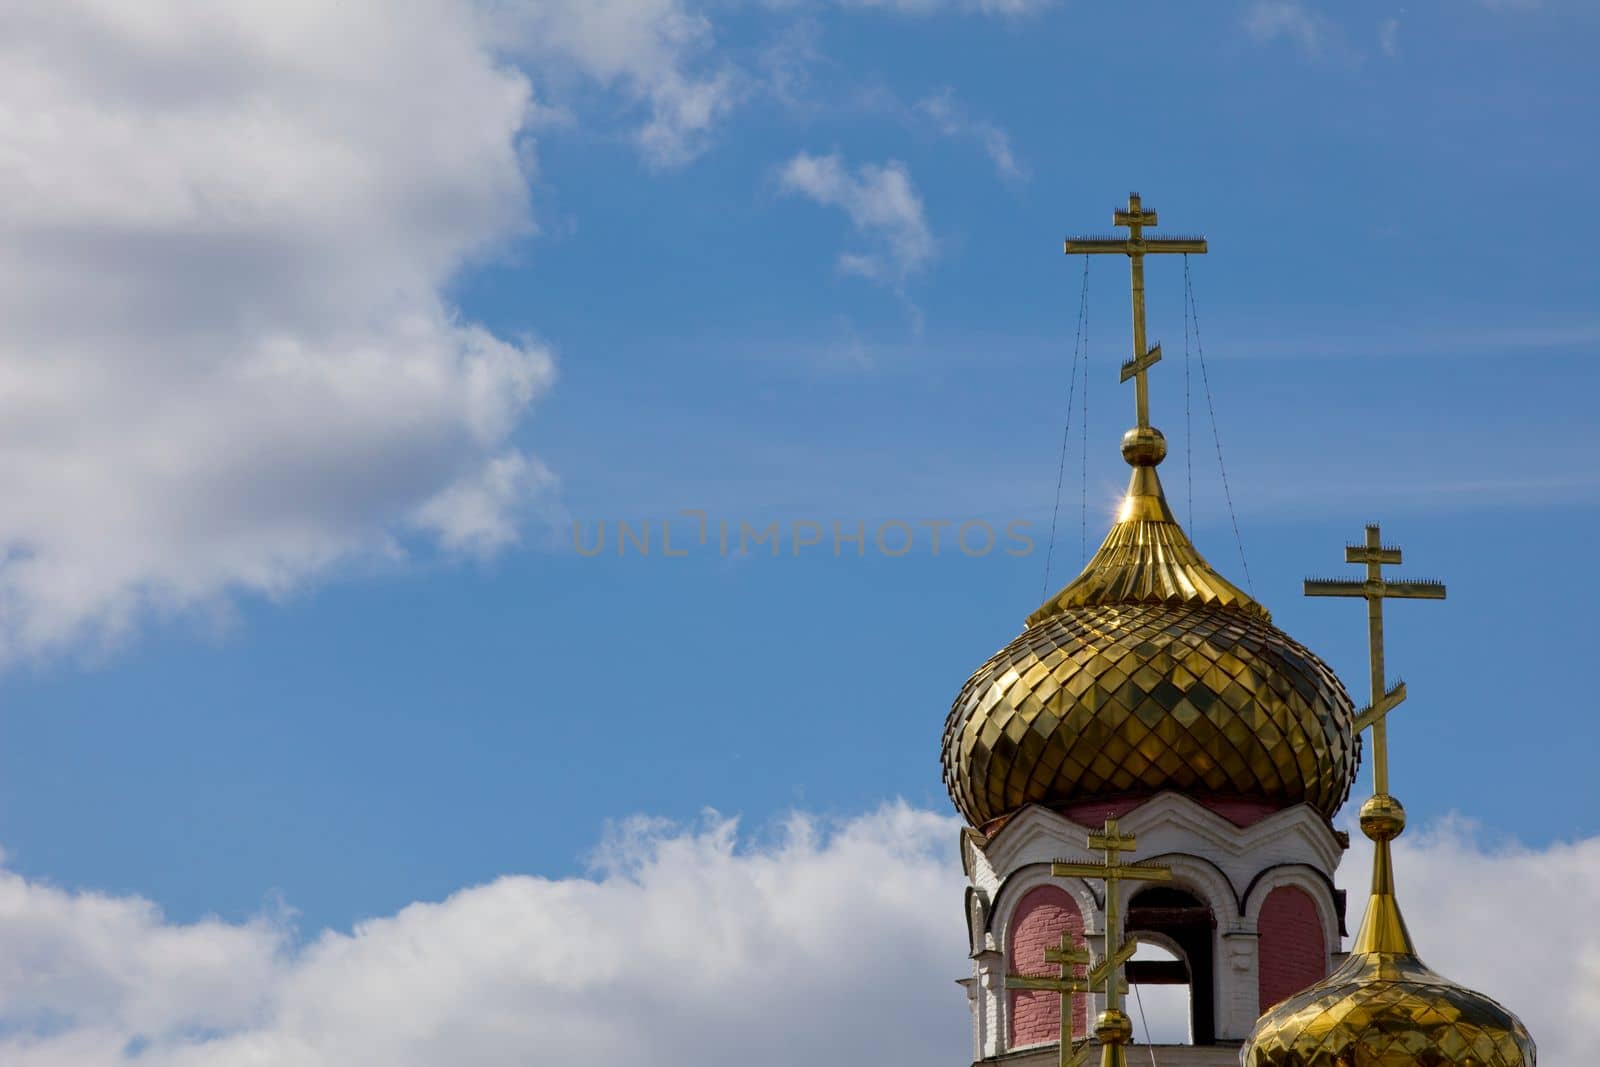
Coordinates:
<point>1169,825</point>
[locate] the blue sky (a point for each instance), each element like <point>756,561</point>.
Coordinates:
<point>331,645</point>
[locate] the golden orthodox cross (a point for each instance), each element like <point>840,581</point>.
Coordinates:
<point>1376,589</point>
<point>1113,1028</point>
<point>1136,246</point>
<point>1069,956</point>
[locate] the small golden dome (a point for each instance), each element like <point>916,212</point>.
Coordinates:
<point>1149,671</point>
<point>1381,1010</point>
<point>1383,1007</point>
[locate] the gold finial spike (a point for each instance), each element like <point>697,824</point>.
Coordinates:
<point>1376,589</point>
<point>1135,246</point>
<point>1383,929</point>
<point>1069,957</point>
<point>1113,1027</point>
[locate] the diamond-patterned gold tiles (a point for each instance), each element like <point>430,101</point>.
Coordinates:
<point>1100,700</point>
<point>1388,1010</point>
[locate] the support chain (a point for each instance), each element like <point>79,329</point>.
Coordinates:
<point>1200,351</point>
<point>1080,345</point>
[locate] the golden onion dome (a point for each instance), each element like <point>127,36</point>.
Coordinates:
<point>1149,671</point>
<point>1383,1007</point>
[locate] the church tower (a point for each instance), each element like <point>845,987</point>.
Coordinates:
<point>1153,705</point>
<point>1151,709</point>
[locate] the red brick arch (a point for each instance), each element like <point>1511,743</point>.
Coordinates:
<point>1293,951</point>
<point>1042,916</point>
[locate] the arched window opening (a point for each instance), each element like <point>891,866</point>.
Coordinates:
<point>1158,996</point>
<point>1042,917</point>
<point>1175,918</point>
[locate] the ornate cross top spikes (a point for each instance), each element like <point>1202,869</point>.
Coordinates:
<point>1113,1028</point>
<point>1069,957</point>
<point>1376,589</point>
<point>1136,247</point>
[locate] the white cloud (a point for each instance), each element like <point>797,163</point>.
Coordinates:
<point>691,946</point>
<point>656,51</point>
<point>817,944</point>
<point>881,203</point>
<point>952,120</point>
<point>1290,20</point>
<point>478,513</point>
<point>1389,36</point>
<point>227,360</point>
<point>787,61</point>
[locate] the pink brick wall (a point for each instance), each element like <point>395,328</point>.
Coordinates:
<point>1237,811</point>
<point>1042,916</point>
<point>1095,812</point>
<point>1240,812</point>
<point>1293,954</point>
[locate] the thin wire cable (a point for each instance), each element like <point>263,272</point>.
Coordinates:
<point>1200,351</point>
<point>1144,1020</point>
<point>1188,422</point>
<point>1066,432</point>
<point>1083,451</point>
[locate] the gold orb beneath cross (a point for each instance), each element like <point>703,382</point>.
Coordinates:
<point>1113,1028</point>
<point>1144,446</point>
<point>1382,817</point>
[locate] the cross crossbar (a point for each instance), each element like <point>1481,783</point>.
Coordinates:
<point>1109,839</point>
<point>1133,216</point>
<point>1366,554</point>
<point>1107,964</point>
<point>1133,872</point>
<point>1031,984</point>
<point>1387,588</point>
<point>1143,363</point>
<point>1143,246</point>
<point>1377,712</point>
<point>1066,956</point>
